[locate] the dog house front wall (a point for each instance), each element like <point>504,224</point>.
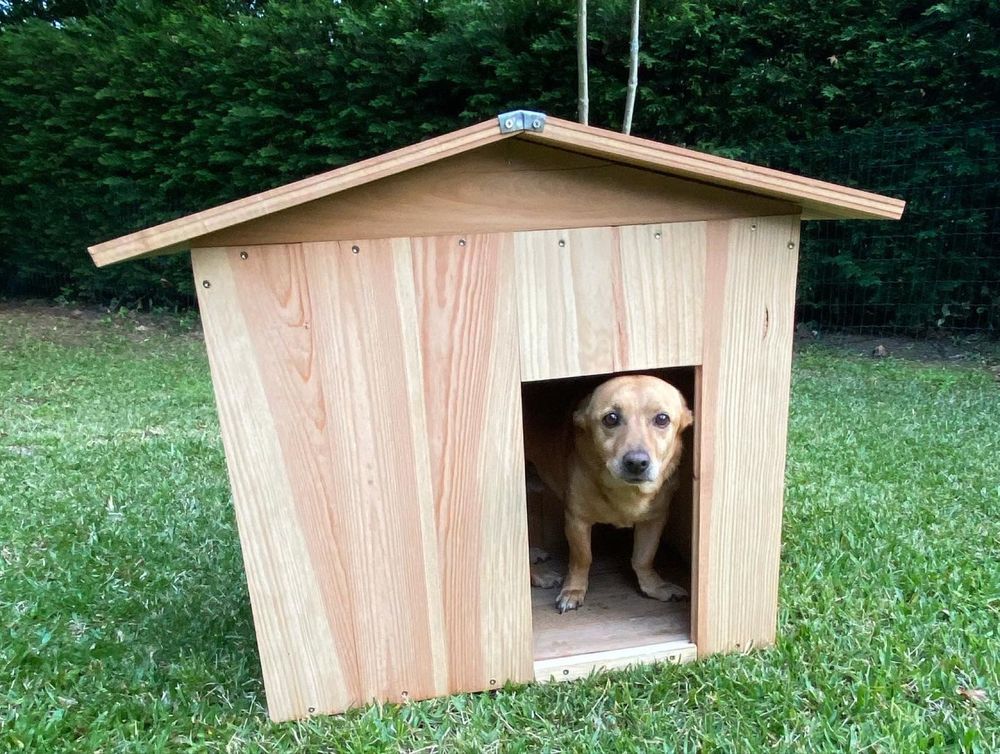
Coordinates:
<point>369,397</point>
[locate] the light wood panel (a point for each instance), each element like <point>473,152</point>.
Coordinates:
<point>817,198</point>
<point>749,308</point>
<point>472,396</point>
<point>357,493</point>
<point>599,300</point>
<point>507,186</point>
<point>582,666</point>
<point>178,234</point>
<point>615,616</point>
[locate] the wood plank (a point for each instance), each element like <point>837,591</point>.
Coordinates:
<point>472,396</point>
<point>582,666</point>
<point>178,234</point>
<point>600,300</point>
<point>565,302</point>
<point>818,198</point>
<point>292,595</point>
<point>750,295</point>
<point>507,186</point>
<point>663,287</point>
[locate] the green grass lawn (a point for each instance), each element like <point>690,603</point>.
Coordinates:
<point>126,627</point>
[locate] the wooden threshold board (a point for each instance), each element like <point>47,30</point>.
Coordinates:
<point>616,627</point>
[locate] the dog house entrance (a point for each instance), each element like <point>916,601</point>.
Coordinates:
<point>617,625</point>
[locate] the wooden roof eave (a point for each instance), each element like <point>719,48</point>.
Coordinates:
<point>818,199</point>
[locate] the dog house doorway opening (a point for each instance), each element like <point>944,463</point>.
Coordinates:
<point>617,625</point>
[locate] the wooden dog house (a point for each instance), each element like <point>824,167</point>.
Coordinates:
<point>369,331</point>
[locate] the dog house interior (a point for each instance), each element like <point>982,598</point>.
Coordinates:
<point>372,334</point>
<point>617,622</point>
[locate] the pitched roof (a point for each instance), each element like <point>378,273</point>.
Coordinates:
<point>818,199</point>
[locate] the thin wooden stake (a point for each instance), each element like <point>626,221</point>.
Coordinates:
<point>633,70</point>
<point>583,95</point>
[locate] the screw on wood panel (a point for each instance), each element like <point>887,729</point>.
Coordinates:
<point>791,244</point>
<point>205,284</point>
<point>753,226</point>
<point>562,241</point>
<point>312,710</point>
<point>356,249</point>
<point>405,695</point>
<point>493,681</point>
<point>565,671</point>
<point>461,242</point>
<point>244,255</point>
<point>657,235</point>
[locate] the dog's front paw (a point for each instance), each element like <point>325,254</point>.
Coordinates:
<point>666,592</point>
<point>545,577</point>
<point>570,599</point>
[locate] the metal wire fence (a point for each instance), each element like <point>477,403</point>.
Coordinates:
<point>937,271</point>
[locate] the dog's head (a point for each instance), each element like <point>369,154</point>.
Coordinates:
<point>633,425</point>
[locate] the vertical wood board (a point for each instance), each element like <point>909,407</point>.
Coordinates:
<point>750,296</point>
<point>473,404</point>
<point>598,300</point>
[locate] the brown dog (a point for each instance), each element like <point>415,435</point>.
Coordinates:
<point>614,465</point>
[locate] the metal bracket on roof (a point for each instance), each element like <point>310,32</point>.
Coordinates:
<point>521,120</point>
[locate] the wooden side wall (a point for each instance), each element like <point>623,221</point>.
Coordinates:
<point>383,531</point>
<point>744,389</point>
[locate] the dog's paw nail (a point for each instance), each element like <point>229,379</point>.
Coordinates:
<point>569,600</point>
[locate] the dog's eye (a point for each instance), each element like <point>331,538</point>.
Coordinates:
<point>611,419</point>
<point>661,420</point>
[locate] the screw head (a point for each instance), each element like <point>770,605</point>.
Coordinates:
<point>509,123</point>
<point>562,242</point>
<point>206,284</point>
<point>244,255</point>
<point>356,249</point>
<point>461,242</point>
<point>791,245</point>
<point>657,235</point>
<point>753,226</point>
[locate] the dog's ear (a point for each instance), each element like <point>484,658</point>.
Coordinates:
<point>687,418</point>
<point>580,415</point>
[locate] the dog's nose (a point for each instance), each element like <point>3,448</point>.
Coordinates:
<point>636,462</point>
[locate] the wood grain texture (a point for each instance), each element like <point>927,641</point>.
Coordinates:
<point>599,300</point>
<point>354,540</point>
<point>473,407</point>
<point>178,234</point>
<point>816,198</point>
<point>581,666</point>
<point>750,295</point>
<point>616,616</point>
<point>511,185</point>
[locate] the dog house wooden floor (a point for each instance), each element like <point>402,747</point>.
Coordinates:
<point>617,625</point>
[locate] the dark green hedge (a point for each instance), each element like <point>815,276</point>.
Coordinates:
<point>116,115</point>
